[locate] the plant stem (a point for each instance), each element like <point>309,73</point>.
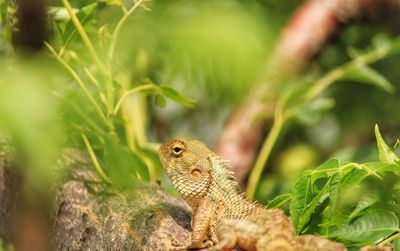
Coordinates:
<point>84,36</point>
<point>94,159</point>
<point>282,116</point>
<point>264,154</point>
<point>117,30</point>
<point>391,238</point>
<point>93,79</point>
<point>81,113</point>
<point>79,82</point>
<point>96,59</point>
<point>136,89</point>
<point>114,38</point>
<point>339,72</point>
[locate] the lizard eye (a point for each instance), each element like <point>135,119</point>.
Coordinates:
<point>177,149</point>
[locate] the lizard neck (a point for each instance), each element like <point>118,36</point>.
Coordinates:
<point>223,185</point>
<point>224,192</point>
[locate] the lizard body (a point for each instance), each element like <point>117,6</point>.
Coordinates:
<point>222,217</point>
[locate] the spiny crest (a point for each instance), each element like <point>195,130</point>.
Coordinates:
<point>223,172</point>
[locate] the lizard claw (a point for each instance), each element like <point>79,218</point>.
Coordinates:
<point>208,243</point>
<point>177,245</point>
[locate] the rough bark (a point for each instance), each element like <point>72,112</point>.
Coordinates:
<point>10,184</point>
<point>89,215</point>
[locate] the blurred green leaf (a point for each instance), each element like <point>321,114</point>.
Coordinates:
<point>112,2</point>
<point>312,112</point>
<point>86,16</point>
<point>123,165</point>
<point>366,201</point>
<point>57,37</point>
<point>381,41</point>
<point>354,52</point>
<point>160,101</point>
<point>140,167</point>
<point>352,178</point>
<point>279,200</point>
<point>386,155</point>
<point>367,75</point>
<point>176,96</point>
<point>396,244</point>
<point>28,115</point>
<point>369,227</point>
<point>58,13</point>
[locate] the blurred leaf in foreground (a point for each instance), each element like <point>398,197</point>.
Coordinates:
<point>28,115</point>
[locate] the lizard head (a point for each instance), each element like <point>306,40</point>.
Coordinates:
<point>188,165</point>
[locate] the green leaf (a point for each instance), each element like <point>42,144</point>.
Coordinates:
<point>368,228</point>
<point>367,75</point>
<point>309,209</point>
<point>329,166</point>
<point>396,244</point>
<point>141,169</point>
<point>86,16</point>
<point>386,155</point>
<point>160,101</point>
<point>279,200</point>
<point>366,201</point>
<point>334,188</point>
<point>175,96</point>
<point>352,178</point>
<point>123,165</point>
<point>301,196</point>
<point>380,167</point>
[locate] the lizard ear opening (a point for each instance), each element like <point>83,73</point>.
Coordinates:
<point>195,171</point>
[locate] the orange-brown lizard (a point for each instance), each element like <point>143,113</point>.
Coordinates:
<point>222,217</point>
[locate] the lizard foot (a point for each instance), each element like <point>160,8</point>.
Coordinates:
<point>198,245</point>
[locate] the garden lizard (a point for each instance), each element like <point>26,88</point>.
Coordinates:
<point>223,218</point>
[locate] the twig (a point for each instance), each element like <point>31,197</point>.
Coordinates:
<point>81,113</point>
<point>117,30</point>
<point>264,154</point>
<point>134,90</point>
<point>84,36</point>
<point>80,83</point>
<point>96,164</point>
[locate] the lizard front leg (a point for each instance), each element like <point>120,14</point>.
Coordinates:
<point>200,226</point>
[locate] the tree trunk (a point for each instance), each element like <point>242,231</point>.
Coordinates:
<point>89,215</point>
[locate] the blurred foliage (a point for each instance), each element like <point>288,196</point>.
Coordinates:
<point>78,93</point>
<point>110,81</point>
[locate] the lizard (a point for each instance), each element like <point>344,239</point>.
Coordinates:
<point>223,218</point>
